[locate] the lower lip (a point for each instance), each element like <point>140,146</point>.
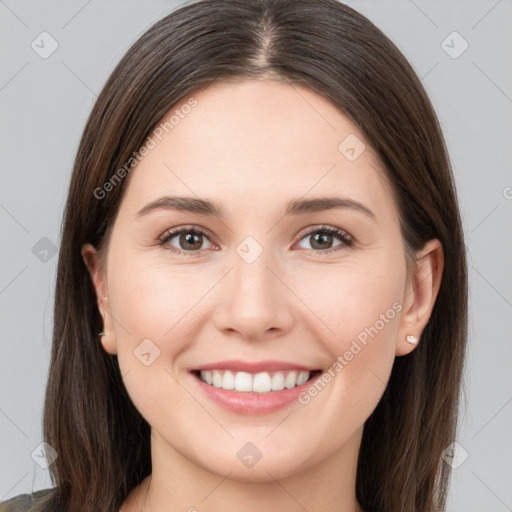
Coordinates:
<point>253,403</point>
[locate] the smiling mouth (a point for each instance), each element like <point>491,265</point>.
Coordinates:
<point>261,382</point>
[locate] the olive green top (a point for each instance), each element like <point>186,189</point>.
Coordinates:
<point>23,502</point>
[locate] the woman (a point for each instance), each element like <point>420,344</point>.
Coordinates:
<point>262,226</point>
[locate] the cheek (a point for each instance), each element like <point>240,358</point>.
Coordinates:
<point>159,314</point>
<point>154,298</point>
<point>154,310</point>
<point>353,298</point>
<point>359,310</point>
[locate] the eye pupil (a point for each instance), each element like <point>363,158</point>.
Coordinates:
<point>189,238</point>
<point>324,238</point>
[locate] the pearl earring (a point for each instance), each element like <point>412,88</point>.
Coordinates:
<point>411,339</point>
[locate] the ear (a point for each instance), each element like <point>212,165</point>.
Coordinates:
<point>420,295</point>
<point>98,277</point>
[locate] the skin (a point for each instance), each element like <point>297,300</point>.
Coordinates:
<point>252,146</point>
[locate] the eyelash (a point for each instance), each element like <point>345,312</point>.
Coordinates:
<point>346,239</point>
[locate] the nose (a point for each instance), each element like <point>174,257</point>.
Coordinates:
<point>254,301</point>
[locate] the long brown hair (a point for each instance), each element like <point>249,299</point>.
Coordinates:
<point>102,441</point>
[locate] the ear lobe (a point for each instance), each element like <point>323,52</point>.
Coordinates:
<point>91,260</point>
<point>422,290</point>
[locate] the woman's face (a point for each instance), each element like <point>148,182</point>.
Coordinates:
<point>262,287</point>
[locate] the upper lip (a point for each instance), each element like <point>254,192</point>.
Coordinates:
<point>254,366</point>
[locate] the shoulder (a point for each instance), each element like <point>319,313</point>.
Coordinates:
<point>23,502</point>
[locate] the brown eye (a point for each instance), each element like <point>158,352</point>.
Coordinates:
<point>187,240</point>
<point>322,239</point>
<point>190,241</point>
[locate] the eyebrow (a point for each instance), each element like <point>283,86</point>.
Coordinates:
<point>294,207</point>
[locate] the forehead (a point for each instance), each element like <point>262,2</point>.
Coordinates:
<point>258,141</point>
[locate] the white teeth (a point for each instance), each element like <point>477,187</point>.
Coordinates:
<point>303,377</point>
<point>243,381</point>
<point>262,382</point>
<point>228,381</point>
<point>278,381</point>
<point>217,378</point>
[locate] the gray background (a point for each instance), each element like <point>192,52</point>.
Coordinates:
<point>44,104</point>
